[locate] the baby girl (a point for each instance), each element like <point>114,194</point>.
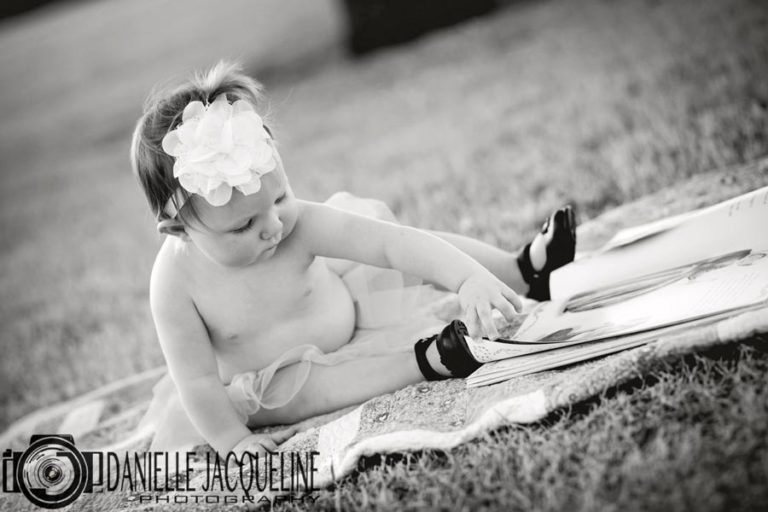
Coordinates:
<point>270,309</point>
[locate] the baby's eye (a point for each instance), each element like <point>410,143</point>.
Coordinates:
<point>280,199</point>
<point>245,227</point>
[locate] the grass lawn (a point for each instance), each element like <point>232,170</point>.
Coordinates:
<point>480,130</point>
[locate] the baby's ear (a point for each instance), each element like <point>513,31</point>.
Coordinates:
<point>173,227</point>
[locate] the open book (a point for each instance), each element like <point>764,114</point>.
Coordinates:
<point>696,268</point>
<point>738,223</point>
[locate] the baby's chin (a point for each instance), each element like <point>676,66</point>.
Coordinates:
<point>249,261</point>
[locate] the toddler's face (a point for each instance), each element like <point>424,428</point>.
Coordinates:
<point>249,228</point>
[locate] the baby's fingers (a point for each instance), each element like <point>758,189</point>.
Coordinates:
<point>512,297</point>
<point>256,444</point>
<point>268,444</point>
<point>506,309</point>
<point>489,327</point>
<point>282,436</point>
<point>473,324</point>
<point>242,455</point>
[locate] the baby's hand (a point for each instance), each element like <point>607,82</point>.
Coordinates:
<point>478,294</point>
<point>261,443</point>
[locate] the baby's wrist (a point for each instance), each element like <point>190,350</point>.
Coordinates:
<point>230,440</point>
<point>464,280</point>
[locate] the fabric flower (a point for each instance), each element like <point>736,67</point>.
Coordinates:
<point>220,147</point>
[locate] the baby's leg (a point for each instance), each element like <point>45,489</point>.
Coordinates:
<point>501,263</point>
<point>551,248</point>
<point>330,388</point>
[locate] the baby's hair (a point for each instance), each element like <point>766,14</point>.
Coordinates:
<point>162,113</point>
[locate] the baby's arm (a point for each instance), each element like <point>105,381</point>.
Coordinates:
<point>339,234</point>
<point>192,364</point>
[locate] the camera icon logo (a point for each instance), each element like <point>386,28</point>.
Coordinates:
<point>51,472</point>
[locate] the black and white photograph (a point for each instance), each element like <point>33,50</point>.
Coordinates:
<point>384,255</point>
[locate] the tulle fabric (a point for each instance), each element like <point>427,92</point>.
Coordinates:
<point>393,311</point>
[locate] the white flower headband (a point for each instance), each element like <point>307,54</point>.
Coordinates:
<point>218,147</point>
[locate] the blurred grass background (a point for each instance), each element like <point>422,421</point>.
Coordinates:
<point>480,129</point>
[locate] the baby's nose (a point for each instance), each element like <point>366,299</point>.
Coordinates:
<point>272,228</point>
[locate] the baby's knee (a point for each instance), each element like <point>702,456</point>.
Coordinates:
<point>380,210</point>
<point>343,200</point>
<point>369,207</point>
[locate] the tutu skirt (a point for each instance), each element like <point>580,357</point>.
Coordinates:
<point>392,311</point>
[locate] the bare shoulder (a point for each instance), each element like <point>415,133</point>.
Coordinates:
<point>313,218</point>
<point>325,230</point>
<point>168,284</point>
<point>319,217</point>
<point>339,233</point>
<point>309,208</point>
<point>180,329</point>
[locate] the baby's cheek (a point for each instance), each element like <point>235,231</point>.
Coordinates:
<point>289,219</point>
<point>239,253</point>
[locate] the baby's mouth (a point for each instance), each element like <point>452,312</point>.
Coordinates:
<point>275,240</point>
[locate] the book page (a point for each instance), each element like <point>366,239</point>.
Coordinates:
<point>488,350</point>
<point>636,233</point>
<point>738,223</point>
<point>703,289</point>
<point>497,371</point>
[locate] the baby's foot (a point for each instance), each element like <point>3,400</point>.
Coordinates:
<point>552,248</point>
<point>450,347</point>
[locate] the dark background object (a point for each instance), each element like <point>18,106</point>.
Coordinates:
<point>374,24</point>
<point>9,8</point>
